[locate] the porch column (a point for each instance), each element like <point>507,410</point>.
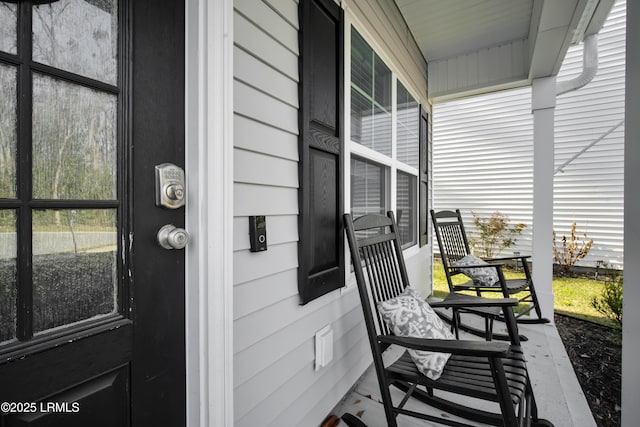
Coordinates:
<point>543,106</point>
<point>631,323</point>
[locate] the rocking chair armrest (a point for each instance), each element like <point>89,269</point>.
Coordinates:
<point>458,266</point>
<point>507,258</point>
<point>461,347</point>
<point>461,301</point>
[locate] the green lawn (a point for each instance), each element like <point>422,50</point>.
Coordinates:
<point>573,296</point>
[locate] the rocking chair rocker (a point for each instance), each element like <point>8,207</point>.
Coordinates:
<point>490,371</point>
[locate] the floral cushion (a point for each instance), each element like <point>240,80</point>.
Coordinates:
<point>483,276</point>
<point>408,315</point>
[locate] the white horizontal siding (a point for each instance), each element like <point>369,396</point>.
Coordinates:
<point>253,72</point>
<point>249,266</point>
<point>264,200</point>
<point>483,158</point>
<point>269,170</point>
<point>268,17</point>
<point>261,107</point>
<point>483,150</point>
<point>590,188</point>
<point>313,318</point>
<point>259,43</point>
<point>274,377</point>
<point>309,407</point>
<point>255,294</point>
<point>254,136</point>
<point>287,9</point>
<point>286,339</point>
<point>276,348</point>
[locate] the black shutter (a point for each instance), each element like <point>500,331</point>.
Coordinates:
<point>424,176</point>
<point>321,240</point>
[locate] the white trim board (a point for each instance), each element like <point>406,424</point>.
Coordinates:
<point>209,171</point>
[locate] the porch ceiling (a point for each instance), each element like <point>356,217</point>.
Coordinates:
<point>481,46</point>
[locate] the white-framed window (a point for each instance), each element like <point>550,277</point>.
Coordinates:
<point>382,140</point>
<point>369,187</point>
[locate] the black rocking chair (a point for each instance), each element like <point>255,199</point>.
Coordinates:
<point>453,244</point>
<point>490,371</point>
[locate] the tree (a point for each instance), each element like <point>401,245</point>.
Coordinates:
<point>8,137</point>
<point>494,233</point>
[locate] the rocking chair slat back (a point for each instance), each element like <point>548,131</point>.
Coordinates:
<point>377,250</point>
<point>451,236</point>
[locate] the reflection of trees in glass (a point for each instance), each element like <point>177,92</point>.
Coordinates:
<point>74,128</point>
<point>7,274</point>
<point>7,220</point>
<point>78,36</point>
<point>8,132</point>
<point>83,220</point>
<point>8,25</point>
<point>8,20</point>
<point>74,266</point>
<point>74,141</point>
<point>74,156</point>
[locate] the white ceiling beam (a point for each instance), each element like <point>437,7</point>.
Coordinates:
<point>553,35</point>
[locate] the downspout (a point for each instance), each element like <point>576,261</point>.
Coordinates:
<point>589,67</point>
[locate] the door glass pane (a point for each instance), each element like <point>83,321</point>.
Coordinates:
<point>80,36</point>
<point>406,209</point>
<point>407,129</point>
<point>74,141</point>
<point>368,188</point>
<point>8,26</point>
<point>74,266</point>
<point>8,137</point>
<point>8,251</point>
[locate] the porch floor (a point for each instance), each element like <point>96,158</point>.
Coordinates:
<point>557,391</point>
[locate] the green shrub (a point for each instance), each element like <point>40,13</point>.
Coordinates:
<point>494,234</point>
<point>610,302</point>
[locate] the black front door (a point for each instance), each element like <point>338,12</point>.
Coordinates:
<point>91,307</point>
